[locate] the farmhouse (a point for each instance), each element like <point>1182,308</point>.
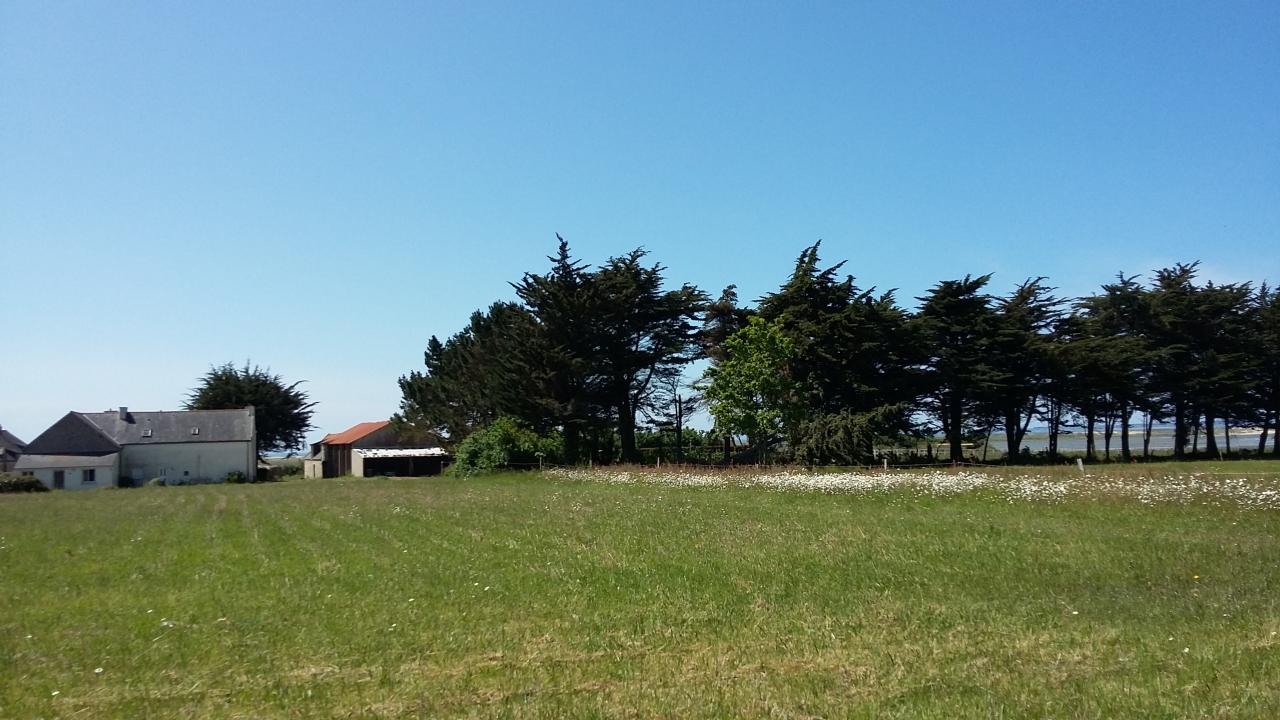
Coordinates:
<point>369,449</point>
<point>11,448</point>
<point>123,448</point>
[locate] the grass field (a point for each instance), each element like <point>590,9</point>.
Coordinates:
<point>550,596</point>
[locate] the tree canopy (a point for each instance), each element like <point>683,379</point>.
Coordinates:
<point>282,411</point>
<point>823,371</point>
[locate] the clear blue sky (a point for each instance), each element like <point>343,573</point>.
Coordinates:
<point>321,187</point>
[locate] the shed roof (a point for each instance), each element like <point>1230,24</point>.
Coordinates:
<point>401,452</point>
<point>354,433</point>
<point>59,462</point>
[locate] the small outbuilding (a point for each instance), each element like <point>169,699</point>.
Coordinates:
<point>370,449</point>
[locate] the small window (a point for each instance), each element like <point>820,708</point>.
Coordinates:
<point>146,432</point>
<point>195,431</point>
<point>88,476</point>
<point>28,473</point>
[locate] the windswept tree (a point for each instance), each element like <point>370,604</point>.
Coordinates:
<point>647,335</point>
<point>1116,329</point>
<point>282,411</point>
<point>565,304</point>
<point>476,376</point>
<point>1266,386</point>
<point>854,362</point>
<point>1020,355</point>
<point>956,325</point>
<point>722,318</point>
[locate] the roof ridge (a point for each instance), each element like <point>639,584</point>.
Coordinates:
<point>157,412</point>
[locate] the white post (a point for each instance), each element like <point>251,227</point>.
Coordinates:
<point>886,464</point>
<point>1080,464</point>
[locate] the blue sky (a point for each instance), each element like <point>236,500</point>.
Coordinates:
<point>320,187</point>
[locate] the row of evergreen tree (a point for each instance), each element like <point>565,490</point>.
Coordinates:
<point>825,372</point>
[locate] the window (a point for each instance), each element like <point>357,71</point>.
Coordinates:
<point>88,476</point>
<point>195,431</point>
<point>146,432</point>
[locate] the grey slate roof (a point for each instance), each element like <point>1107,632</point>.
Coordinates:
<point>73,434</point>
<point>9,441</point>
<point>56,462</point>
<point>175,426</point>
<point>97,433</point>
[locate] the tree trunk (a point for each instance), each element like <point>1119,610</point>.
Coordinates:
<point>572,443</point>
<point>1012,439</point>
<point>1055,425</point>
<point>679,430</point>
<point>955,410</point>
<point>1180,434</point>
<point>1262,439</point>
<point>1090,448</point>
<point>627,430</point>
<point>1108,429</point>
<point>1210,442</point>
<point>1146,438</point>
<point>1125,454</point>
<point>1226,434</point>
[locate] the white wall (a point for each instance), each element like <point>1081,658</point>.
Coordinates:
<point>187,462</point>
<point>103,477</point>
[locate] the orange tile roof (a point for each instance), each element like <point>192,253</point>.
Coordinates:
<point>356,432</point>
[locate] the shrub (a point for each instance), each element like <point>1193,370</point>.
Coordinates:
<point>10,483</point>
<point>505,443</point>
<point>156,482</point>
<point>235,476</point>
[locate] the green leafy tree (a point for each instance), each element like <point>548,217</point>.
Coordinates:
<point>282,411</point>
<point>506,443</point>
<point>751,392</point>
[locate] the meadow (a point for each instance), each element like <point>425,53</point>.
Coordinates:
<point>642,594</point>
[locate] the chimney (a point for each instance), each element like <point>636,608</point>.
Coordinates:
<point>124,413</point>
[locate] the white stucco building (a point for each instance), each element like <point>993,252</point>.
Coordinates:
<point>92,450</point>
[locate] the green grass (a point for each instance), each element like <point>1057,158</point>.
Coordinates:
<point>526,596</point>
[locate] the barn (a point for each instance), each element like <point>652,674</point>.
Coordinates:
<point>370,449</point>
